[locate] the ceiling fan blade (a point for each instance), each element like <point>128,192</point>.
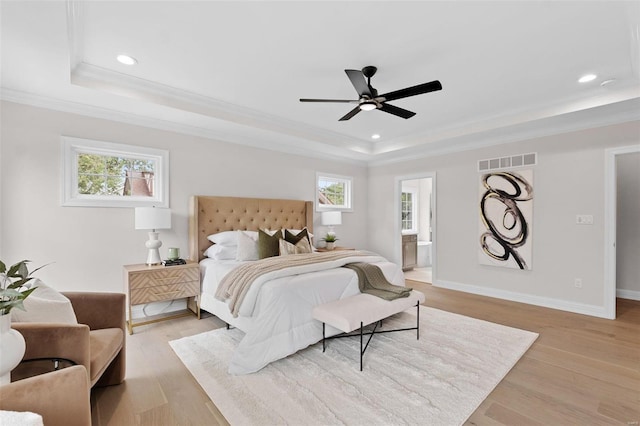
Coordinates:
<point>344,101</point>
<point>350,114</point>
<point>400,112</point>
<point>412,91</point>
<point>358,81</point>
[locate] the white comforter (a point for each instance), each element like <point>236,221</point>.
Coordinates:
<point>279,308</point>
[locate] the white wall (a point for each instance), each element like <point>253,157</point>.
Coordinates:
<point>89,245</point>
<point>568,180</point>
<point>628,225</point>
<point>424,210</point>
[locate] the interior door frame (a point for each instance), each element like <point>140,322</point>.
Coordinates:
<point>397,230</point>
<point>610,212</point>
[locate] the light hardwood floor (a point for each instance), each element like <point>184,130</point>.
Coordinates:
<point>580,371</point>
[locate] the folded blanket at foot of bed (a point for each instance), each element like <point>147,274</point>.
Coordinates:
<point>371,280</point>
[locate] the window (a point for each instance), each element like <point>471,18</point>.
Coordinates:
<point>333,192</point>
<point>409,211</point>
<point>106,174</point>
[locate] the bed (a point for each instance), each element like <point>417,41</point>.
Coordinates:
<point>276,313</point>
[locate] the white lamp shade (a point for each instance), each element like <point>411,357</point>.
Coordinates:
<point>331,218</point>
<point>153,218</point>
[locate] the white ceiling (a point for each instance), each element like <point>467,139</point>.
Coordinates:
<point>234,71</point>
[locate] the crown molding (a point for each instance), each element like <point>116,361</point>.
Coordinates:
<point>98,78</point>
<point>295,146</point>
<point>529,115</point>
<point>625,111</point>
<point>606,115</point>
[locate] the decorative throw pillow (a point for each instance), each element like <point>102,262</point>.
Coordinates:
<point>268,244</point>
<point>247,247</point>
<point>297,231</point>
<point>45,304</point>
<point>294,238</point>
<point>301,246</point>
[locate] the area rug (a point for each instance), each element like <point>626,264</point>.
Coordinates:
<point>438,380</point>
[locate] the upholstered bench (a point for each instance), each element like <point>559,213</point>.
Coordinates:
<point>356,312</point>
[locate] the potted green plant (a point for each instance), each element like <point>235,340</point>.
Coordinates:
<point>13,292</point>
<point>12,286</point>
<point>330,241</point>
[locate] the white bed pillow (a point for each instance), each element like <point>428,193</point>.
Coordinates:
<point>247,246</point>
<point>45,304</point>
<point>221,252</point>
<point>228,238</point>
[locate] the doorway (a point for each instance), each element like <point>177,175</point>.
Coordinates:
<point>622,238</point>
<point>415,219</point>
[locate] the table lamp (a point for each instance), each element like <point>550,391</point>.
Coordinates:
<point>330,219</point>
<point>153,218</point>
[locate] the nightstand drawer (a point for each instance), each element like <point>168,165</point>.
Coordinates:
<point>164,292</point>
<point>162,277</point>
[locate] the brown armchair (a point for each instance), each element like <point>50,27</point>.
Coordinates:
<point>61,397</point>
<point>97,342</point>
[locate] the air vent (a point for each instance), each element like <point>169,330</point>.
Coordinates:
<point>519,160</point>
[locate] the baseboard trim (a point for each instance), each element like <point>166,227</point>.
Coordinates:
<point>628,294</point>
<point>547,302</point>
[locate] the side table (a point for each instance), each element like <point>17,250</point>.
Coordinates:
<point>146,284</point>
<point>34,367</point>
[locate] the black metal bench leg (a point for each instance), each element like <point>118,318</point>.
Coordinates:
<point>361,345</point>
<point>418,321</point>
<point>323,339</point>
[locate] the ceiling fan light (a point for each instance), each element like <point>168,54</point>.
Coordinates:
<point>368,106</point>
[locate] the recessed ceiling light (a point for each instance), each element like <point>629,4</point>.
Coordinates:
<point>608,82</point>
<point>375,136</point>
<point>586,78</point>
<point>127,60</point>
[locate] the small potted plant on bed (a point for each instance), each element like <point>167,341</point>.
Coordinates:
<point>330,241</point>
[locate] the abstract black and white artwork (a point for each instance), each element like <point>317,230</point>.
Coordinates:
<point>506,214</point>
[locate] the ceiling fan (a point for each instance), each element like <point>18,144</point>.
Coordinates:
<point>368,98</point>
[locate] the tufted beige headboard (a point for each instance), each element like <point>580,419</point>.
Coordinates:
<point>208,215</point>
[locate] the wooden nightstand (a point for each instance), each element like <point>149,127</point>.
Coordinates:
<point>146,284</point>
<point>322,249</point>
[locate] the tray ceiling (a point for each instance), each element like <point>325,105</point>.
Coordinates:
<point>234,71</point>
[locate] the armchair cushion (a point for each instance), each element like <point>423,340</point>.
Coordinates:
<point>45,304</point>
<point>105,345</point>
<point>60,397</point>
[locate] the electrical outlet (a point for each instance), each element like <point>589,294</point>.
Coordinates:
<point>577,283</point>
<point>584,219</point>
